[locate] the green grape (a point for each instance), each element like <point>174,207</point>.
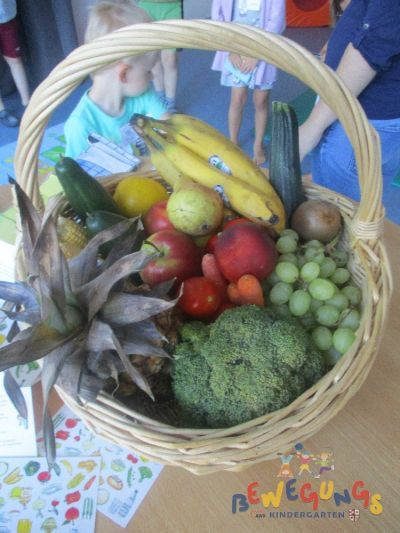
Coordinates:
<point>290,233</point>
<point>290,258</point>
<point>287,272</point>
<point>309,271</point>
<point>327,315</point>
<point>273,278</point>
<point>286,245</point>
<point>299,302</point>
<point>352,293</point>
<point>315,304</point>
<point>350,319</point>
<point>280,293</point>
<point>314,254</point>
<point>308,321</point>
<point>340,276</point>
<point>327,268</point>
<point>343,338</point>
<point>339,300</point>
<point>332,356</point>
<point>322,337</point>
<point>340,257</point>
<point>314,244</point>
<point>301,261</point>
<point>322,289</point>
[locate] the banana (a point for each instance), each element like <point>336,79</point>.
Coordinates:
<point>243,198</point>
<point>212,145</point>
<point>163,165</point>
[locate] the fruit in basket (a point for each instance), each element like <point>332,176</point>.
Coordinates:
<point>195,209</point>
<point>156,218</point>
<point>84,193</point>
<point>179,257</point>
<point>245,364</point>
<point>135,195</point>
<point>211,145</point>
<point>261,206</point>
<point>84,319</point>
<point>317,219</point>
<point>200,297</point>
<point>245,249</point>
<point>309,284</point>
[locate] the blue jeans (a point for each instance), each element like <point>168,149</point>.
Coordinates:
<point>334,164</point>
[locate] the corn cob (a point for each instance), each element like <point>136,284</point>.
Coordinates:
<point>72,237</point>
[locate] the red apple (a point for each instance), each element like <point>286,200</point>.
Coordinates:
<point>156,218</point>
<point>245,249</point>
<point>180,258</point>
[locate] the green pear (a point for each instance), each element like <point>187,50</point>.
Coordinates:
<point>195,209</point>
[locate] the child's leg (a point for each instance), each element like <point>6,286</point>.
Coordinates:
<point>18,73</point>
<point>260,100</point>
<point>238,101</point>
<point>169,60</point>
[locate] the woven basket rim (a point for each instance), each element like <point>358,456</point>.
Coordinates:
<point>238,447</point>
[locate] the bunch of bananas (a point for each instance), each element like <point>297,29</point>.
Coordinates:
<point>184,147</point>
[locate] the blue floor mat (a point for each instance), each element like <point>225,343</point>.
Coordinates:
<point>52,147</point>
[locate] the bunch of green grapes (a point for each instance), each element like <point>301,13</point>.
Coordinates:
<point>316,287</point>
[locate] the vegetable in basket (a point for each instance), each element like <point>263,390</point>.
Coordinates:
<point>244,365</point>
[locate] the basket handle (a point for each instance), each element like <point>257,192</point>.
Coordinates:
<point>208,35</point>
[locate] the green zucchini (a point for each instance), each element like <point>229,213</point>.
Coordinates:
<point>84,193</point>
<point>284,165</point>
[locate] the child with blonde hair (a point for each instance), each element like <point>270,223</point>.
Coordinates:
<point>118,90</point>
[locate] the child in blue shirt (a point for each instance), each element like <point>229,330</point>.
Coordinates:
<point>118,91</point>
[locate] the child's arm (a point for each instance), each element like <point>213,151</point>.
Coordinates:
<point>276,22</point>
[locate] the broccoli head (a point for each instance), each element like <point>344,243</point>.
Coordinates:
<point>244,365</point>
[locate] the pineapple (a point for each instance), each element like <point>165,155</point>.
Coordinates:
<point>86,322</point>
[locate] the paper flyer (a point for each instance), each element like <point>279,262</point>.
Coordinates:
<point>34,499</point>
<point>17,435</point>
<point>125,477</point>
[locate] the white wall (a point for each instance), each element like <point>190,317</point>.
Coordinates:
<point>193,9</point>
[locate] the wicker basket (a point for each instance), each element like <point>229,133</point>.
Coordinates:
<point>206,451</point>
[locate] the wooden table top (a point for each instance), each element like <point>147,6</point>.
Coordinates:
<point>364,438</point>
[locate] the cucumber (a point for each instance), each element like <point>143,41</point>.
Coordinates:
<point>284,165</point>
<point>84,193</point>
<point>98,221</point>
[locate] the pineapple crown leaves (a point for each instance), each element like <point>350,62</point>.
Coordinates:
<point>84,319</point>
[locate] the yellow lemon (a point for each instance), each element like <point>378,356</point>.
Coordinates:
<point>135,195</point>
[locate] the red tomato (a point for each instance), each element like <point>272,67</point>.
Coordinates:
<point>200,297</point>
<point>235,221</point>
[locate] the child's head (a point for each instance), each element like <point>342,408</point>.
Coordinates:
<point>108,16</point>
<point>133,73</point>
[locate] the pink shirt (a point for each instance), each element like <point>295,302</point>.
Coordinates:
<point>273,19</point>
